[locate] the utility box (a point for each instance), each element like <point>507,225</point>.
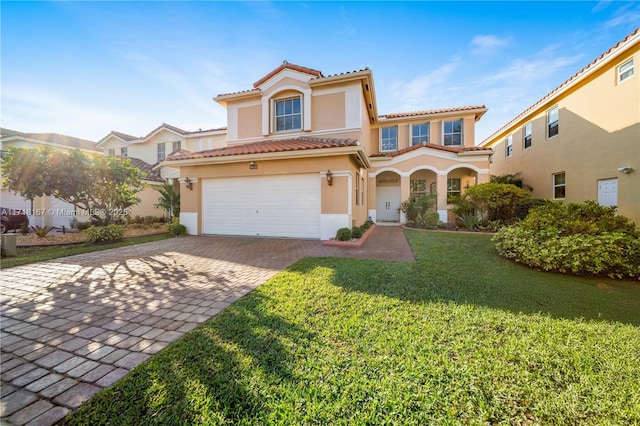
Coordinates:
<point>9,244</point>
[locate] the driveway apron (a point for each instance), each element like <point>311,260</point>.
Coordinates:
<point>71,326</point>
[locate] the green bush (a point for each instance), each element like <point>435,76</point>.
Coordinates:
<point>469,220</point>
<point>418,210</point>
<point>343,234</point>
<point>522,207</point>
<point>356,232</point>
<point>81,226</point>
<point>582,239</point>
<point>176,228</point>
<point>104,234</point>
<point>495,201</point>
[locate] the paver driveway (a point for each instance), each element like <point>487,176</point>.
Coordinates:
<point>71,326</point>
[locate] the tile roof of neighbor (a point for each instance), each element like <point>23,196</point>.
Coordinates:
<point>54,138</point>
<point>265,147</point>
<point>129,138</point>
<point>454,149</point>
<point>124,136</point>
<point>432,111</point>
<point>287,65</point>
<point>152,175</point>
<point>568,81</point>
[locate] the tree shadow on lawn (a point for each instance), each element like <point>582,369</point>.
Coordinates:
<point>221,372</point>
<point>465,269</point>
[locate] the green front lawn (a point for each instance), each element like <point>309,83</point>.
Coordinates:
<point>461,336</point>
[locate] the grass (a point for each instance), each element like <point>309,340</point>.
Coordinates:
<point>461,336</point>
<point>32,254</point>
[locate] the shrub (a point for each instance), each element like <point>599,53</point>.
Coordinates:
<point>24,228</point>
<point>522,207</point>
<point>365,226</point>
<point>356,232</point>
<point>582,239</point>
<point>343,234</point>
<point>176,228</point>
<point>81,226</point>
<point>417,208</point>
<point>469,220</point>
<point>42,231</point>
<point>495,201</point>
<point>104,234</point>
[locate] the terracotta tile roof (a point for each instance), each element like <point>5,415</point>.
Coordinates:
<point>265,147</point>
<point>287,65</point>
<point>121,135</point>
<point>53,138</point>
<point>455,149</point>
<point>432,111</point>
<point>152,175</point>
<point>568,81</point>
<point>340,74</point>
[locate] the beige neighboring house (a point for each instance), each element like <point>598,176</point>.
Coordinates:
<point>582,140</point>
<point>50,211</point>
<point>306,154</point>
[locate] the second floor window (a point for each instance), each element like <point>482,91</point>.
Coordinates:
<point>288,114</point>
<point>453,133</point>
<point>124,151</point>
<point>552,122</point>
<point>176,146</point>
<point>161,152</point>
<point>111,152</point>
<point>527,136</point>
<point>389,139</point>
<point>509,145</point>
<point>419,134</point>
<point>625,71</point>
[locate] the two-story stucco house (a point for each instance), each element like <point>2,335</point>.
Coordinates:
<point>581,141</point>
<point>306,154</point>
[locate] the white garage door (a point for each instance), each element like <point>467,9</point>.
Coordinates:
<point>273,206</point>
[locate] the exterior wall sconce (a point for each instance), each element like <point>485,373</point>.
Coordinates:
<point>253,165</point>
<point>625,170</point>
<point>329,178</point>
<point>188,183</point>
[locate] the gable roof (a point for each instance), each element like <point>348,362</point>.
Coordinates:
<point>51,139</point>
<point>143,166</point>
<point>453,149</point>
<point>601,60</point>
<point>265,147</point>
<point>287,65</point>
<point>138,139</point>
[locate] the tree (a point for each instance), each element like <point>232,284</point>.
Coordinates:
<point>104,187</point>
<point>495,201</point>
<point>169,200</point>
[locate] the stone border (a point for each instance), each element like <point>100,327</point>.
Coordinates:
<point>351,244</point>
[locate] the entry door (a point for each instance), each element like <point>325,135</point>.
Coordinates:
<point>387,204</point>
<point>608,192</point>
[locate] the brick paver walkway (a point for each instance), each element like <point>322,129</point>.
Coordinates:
<point>74,325</point>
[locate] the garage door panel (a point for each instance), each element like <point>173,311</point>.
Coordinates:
<point>278,206</point>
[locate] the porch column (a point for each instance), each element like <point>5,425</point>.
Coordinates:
<point>405,193</point>
<point>441,185</point>
<point>371,197</point>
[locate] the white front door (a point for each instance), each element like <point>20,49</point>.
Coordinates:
<point>608,192</point>
<point>273,206</point>
<point>388,204</point>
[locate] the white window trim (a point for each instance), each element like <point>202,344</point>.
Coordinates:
<point>428,124</point>
<point>461,131</point>
<point>548,123</point>
<point>632,69</point>
<point>524,136</point>
<point>508,144</point>
<point>380,133</point>
<point>554,186</point>
<point>273,113</point>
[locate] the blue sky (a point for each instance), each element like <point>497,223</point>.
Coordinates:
<point>85,68</point>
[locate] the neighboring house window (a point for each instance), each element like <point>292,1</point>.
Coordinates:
<point>509,145</point>
<point>124,151</point>
<point>453,188</point>
<point>288,114</point>
<point>453,133</point>
<point>161,152</point>
<point>111,152</point>
<point>389,139</point>
<point>418,187</point>
<point>527,136</point>
<point>552,122</point>
<point>176,146</point>
<point>625,71</point>
<point>559,186</point>
<point>419,134</point>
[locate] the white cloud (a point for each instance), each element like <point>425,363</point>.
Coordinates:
<point>484,45</point>
<point>627,15</point>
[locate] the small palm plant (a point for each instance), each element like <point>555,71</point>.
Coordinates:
<point>469,220</point>
<point>169,200</point>
<point>41,231</point>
